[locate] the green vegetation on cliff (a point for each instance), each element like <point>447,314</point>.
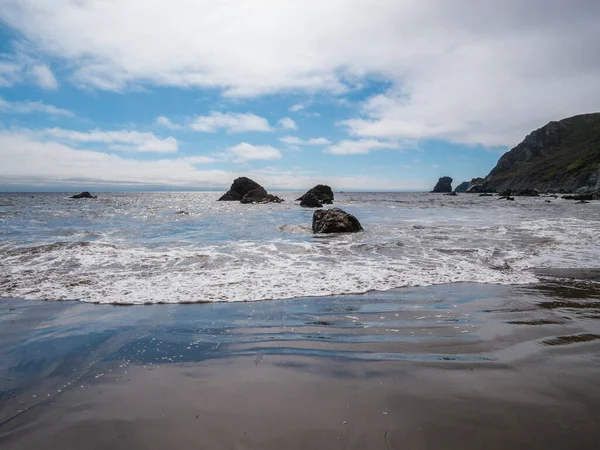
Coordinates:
<point>560,156</point>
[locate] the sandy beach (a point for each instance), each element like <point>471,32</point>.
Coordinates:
<point>460,366</point>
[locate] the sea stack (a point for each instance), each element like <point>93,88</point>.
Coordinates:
<point>245,190</point>
<point>322,192</point>
<point>444,184</point>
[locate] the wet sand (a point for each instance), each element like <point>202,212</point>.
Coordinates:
<point>461,366</point>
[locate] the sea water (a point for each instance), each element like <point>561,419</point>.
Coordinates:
<point>136,248</point>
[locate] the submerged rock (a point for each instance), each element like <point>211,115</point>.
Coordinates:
<point>323,193</point>
<point>451,193</point>
<point>310,200</point>
<point>581,197</point>
<point>486,194</point>
<point>444,184</point>
<point>84,194</point>
<point>334,220</point>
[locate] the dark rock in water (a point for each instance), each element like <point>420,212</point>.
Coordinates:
<point>310,200</point>
<point>239,188</point>
<point>246,190</point>
<point>323,193</point>
<point>582,201</point>
<point>444,184</point>
<point>84,195</point>
<point>527,193</point>
<point>260,196</point>
<point>506,198</point>
<point>462,187</point>
<point>183,213</point>
<point>547,201</point>
<point>451,193</point>
<point>581,197</point>
<point>486,195</point>
<point>334,220</point>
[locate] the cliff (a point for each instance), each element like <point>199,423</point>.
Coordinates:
<point>561,156</point>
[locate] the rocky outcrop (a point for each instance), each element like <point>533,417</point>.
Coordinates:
<point>580,197</point>
<point>260,196</point>
<point>245,190</point>
<point>444,184</point>
<point>310,200</point>
<point>477,186</point>
<point>240,187</point>
<point>323,193</point>
<point>561,156</point>
<point>84,194</point>
<point>334,220</point>
<point>462,187</point>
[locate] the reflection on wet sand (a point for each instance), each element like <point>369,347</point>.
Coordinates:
<point>457,366</point>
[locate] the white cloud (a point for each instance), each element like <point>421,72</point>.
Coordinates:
<point>247,152</point>
<point>287,124</point>
<point>297,107</point>
<point>294,140</point>
<point>9,73</point>
<point>473,72</point>
<point>28,107</point>
<point>121,140</point>
<point>360,147</point>
<point>200,159</point>
<point>231,122</point>
<point>28,159</point>
<point>44,77</point>
<point>166,122</point>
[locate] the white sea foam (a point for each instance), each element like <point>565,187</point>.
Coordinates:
<point>412,248</point>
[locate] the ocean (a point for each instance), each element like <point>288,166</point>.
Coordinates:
<point>186,247</point>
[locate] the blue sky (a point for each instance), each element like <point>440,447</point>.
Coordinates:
<point>191,94</point>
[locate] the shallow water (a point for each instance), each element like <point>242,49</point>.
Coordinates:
<point>136,248</point>
<point>461,366</point>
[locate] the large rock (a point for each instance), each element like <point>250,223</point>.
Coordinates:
<point>84,195</point>
<point>444,184</point>
<point>260,196</point>
<point>239,188</point>
<point>310,200</point>
<point>462,187</point>
<point>334,220</point>
<point>323,193</point>
<point>246,190</point>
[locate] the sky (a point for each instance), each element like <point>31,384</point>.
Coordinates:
<point>357,94</point>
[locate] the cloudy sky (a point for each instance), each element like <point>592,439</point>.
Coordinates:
<point>360,94</point>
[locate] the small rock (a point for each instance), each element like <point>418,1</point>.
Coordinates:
<point>84,194</point>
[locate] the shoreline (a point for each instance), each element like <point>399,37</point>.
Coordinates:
<point>587,277</point>
<point>451,366</point>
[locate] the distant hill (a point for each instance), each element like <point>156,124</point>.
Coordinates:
<point>561,156</point>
